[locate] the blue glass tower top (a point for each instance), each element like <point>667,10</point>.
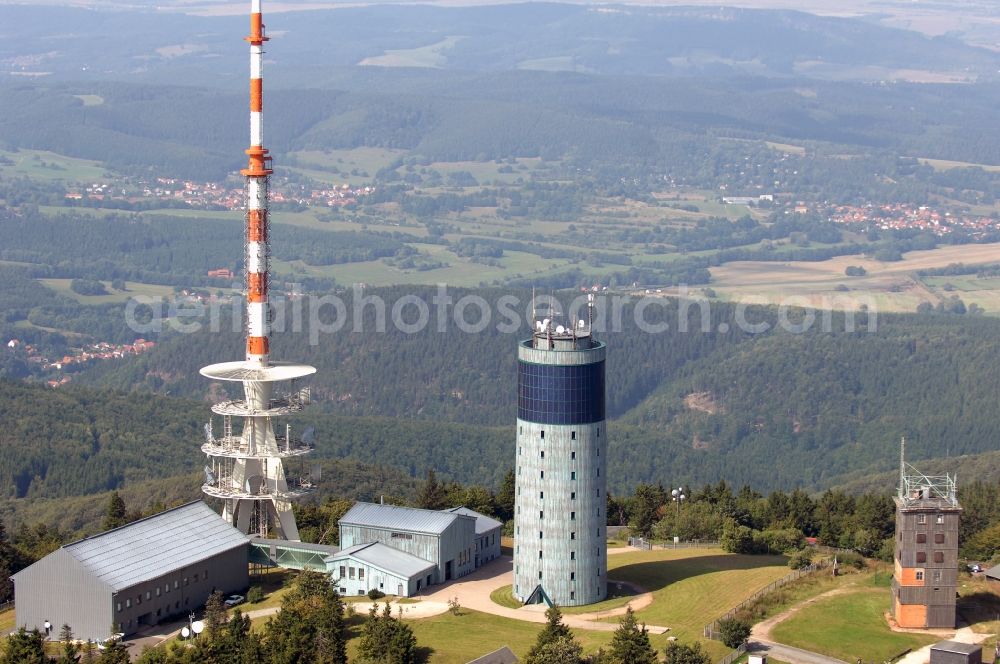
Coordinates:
<point>560,376</point>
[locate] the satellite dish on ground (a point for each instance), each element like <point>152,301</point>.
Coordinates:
<point>198,626</point>
<point>185,632</point>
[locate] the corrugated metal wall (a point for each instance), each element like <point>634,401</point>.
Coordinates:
<point>60,590</point>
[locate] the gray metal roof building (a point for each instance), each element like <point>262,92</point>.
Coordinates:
<point>488,532</point>
<point>409,519</point>
<point>140,574</point>
<point>360,568</point>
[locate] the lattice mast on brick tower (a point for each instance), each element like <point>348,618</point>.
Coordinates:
<point>925,574</point>
<point>247,470</point>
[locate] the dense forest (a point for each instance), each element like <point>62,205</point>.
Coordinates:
<point>689,406</point>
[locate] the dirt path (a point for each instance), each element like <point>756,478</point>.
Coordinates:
<point>762,630</point>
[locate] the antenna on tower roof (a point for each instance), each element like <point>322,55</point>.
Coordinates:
<point>902,466</point>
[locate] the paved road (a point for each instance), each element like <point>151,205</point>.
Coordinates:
<point>790,654</point>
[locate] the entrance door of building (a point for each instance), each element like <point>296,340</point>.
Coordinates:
<point>399,590</point>
<point>447,571</point>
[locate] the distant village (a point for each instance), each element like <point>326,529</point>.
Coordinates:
<point>90,353</point>
<point>212,194</point>
<point>900,216</point>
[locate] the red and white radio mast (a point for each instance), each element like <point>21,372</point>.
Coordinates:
<point>246,470</point>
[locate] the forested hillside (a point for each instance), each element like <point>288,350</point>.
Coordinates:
<point>691,406</point>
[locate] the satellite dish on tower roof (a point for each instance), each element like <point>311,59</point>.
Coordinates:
<point>560,329</point>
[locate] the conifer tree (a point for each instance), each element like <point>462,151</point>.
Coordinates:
<point>386,640</point>
<point>505,497</point>
<point>70,650</point>
<point>24,647</point>
<point>433,494</point>
<point>630,644</point>
<point>117,514</point>
<point>553,631</point>
<point>679,653</point>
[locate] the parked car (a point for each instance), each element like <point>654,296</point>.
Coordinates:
<point>234,600</point>
<point>117,636</point>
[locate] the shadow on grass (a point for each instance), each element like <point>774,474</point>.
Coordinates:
<point>658,574</point>
<point>980,606</point>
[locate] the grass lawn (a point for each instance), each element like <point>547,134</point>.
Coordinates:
<point>275,583</point>
<point>504,596</point>
<point>457,639</point>
<point>849,626</point>
<point>7,621</point>
<point>692,587</point>
<point>979,604</point>
<point>618,595</point>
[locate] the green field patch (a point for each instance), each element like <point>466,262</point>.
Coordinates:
<point>431,55</point>
<point>357,165</point>
<point>90,100</point>
<point>554,63</point>
<point>456,271</point>
<point>49,166</point>
<point>849,626</point>
<point>484,171</point>
<point>965,283</point>
<point>132,289</point>
<point>947,165</point>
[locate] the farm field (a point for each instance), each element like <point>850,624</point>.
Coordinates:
<point>356,165</point>
<point>945,165</point>
<point>49,166</point>
<point>456,272</point>
<point>887,286</point>
<point>849,625</point>
<point>422,56</point>
<point>133,288</point>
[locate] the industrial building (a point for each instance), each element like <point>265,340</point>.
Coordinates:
<point>376,566</point>
<point>248,469</point>
<point>417,547</point>
<point>560,497</point>
<point>487,535</point>
<point>926,552</point>
<point>141,574</point>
